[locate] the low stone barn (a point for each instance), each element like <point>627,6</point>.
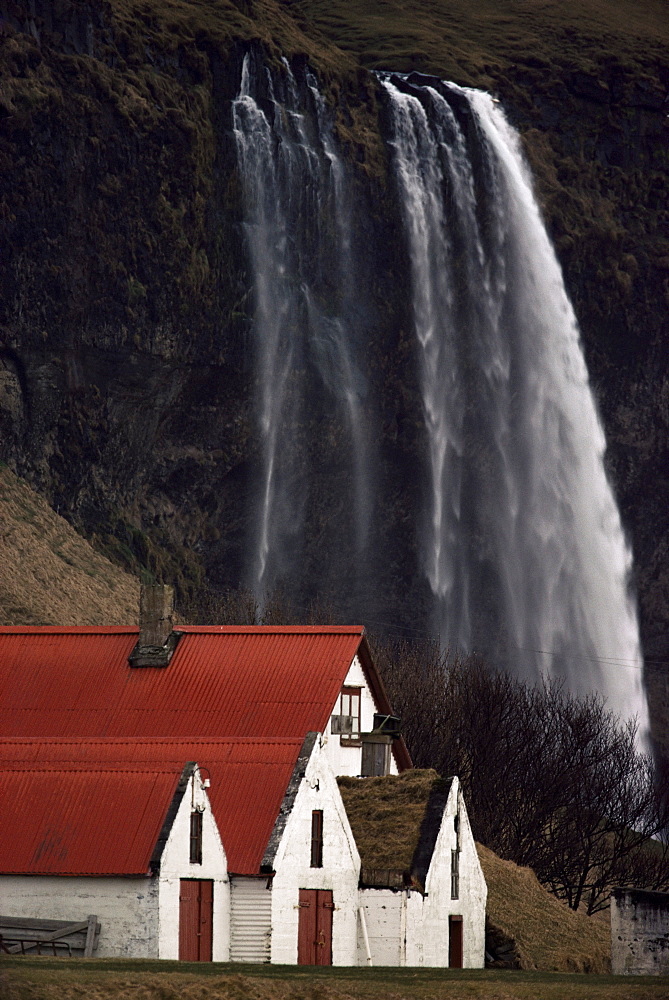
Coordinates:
<point>423,894</point>
<point>285,889</point>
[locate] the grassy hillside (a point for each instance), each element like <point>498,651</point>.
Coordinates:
<point>49,575</point>
<point>545,934</point>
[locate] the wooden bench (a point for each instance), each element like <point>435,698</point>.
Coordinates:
<point>34,935</point>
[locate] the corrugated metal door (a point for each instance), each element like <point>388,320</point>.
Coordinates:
<point>196,919</point>
<point>250,920</point>
<point>455,942</point>
<point>314,935</point>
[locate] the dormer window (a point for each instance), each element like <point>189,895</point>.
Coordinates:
<point>349,706</point>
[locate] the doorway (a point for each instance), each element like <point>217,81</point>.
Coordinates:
<point>455,942</point>
<point>196,919</point>
<point>314,933</point>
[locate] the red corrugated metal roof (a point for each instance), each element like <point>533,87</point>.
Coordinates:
<point>249,778</point>
<point>99,820</point>
<point>221,682</point>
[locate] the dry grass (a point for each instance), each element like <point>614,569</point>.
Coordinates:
<point>60,979</point>
<point>547,934</point>
<point>49,575</point>
<point>385,815</point>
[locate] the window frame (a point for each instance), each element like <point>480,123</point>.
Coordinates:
<point>455,874</point>
<point>355,738</point>
<point>316,860</point>
<point>195,840</point>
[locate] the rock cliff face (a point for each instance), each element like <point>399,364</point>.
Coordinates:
<point>125,375</point>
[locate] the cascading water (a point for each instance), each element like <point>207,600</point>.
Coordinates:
<point>522,542</point>
<point>298,237</point>
<point>519,538</point>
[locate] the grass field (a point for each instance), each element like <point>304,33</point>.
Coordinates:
<point>103,979</point>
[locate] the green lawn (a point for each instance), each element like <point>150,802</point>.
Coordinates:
<point>100,979</point>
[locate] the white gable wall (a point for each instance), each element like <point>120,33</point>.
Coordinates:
<point>340,871</point>
<point>346,759</point>
<point>175,865</point>
<point>473,892</point>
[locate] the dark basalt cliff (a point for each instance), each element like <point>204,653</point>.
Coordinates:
<point>124,304</point>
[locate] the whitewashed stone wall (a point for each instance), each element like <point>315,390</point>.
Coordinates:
<point>345,759</point>
<point>340,871</point>
<point>175,865</point>
<point>438,905</point>
<point>127,908</point>
<point>383,919</point>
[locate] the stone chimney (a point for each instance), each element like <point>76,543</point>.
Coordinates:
<point>157,639</point>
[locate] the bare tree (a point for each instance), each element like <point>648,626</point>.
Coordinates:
<point>552,781</point>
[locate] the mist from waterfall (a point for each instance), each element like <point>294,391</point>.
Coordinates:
<point>521,538</point>
<point>517,539</point>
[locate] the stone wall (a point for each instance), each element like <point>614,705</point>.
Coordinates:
<point>639,932</point>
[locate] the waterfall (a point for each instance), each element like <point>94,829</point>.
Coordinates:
<point>516,549</point>
<point>521,539</point>
<point>298,234</point>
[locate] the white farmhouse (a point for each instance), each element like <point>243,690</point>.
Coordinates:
<point>201,681</point>
<point>423,894</point>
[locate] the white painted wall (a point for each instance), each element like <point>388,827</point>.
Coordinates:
<point>346,759</point>
<point>127,908</point>
<point>383,917</point>
<point>340,871</point>
<point>175,865</point>
<point>438,905</point>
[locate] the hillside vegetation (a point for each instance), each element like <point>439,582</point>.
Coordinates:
<point>50,575</point>
<point>541,932</point>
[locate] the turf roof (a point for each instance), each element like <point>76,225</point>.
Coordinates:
<point>386,815</point>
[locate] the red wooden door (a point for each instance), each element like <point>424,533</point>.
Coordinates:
<point>196,913</point>
<point>455,942</point>
<point>314,934</point>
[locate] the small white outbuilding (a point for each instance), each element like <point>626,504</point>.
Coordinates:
<point>423,894</point>
<point>135,845</point>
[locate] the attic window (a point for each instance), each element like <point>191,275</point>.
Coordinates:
<point>317,838</point>
<point>350,706</point>
<point>196,838</point>
<point>455,874</point>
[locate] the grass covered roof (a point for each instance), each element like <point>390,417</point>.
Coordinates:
<point>386,815</point>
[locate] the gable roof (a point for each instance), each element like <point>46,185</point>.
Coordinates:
<point>99,820</point>
<point>222,681</point>
<point>395,821</point>
<point>245,818</point>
